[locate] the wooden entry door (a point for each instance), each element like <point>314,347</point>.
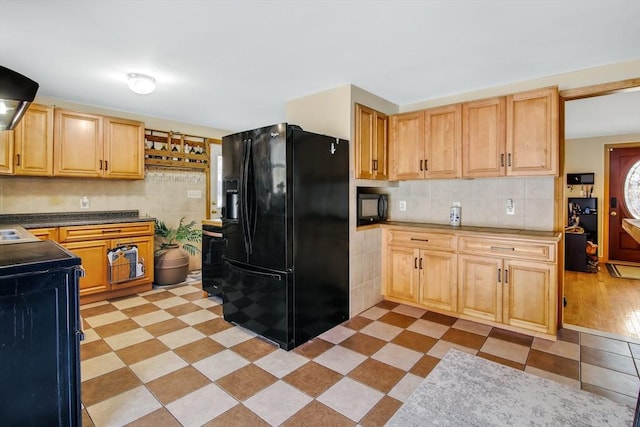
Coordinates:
<point>622,247</point>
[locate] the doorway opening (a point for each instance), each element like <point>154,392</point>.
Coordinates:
<point>598,301</point>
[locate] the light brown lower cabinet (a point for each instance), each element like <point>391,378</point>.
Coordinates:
<point>92,242</point>
<point>513,292</point>
<point>502,281</point>
<point>422,269</point>
<point>93,254</point>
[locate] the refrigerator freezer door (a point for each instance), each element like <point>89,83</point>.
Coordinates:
<point>232,224</point>
<point>267,193</point>
<point>260,300</point>
<point>257,161</point>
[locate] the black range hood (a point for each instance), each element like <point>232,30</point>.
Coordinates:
<point>16,93</point>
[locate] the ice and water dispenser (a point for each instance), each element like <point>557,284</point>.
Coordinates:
<point>231,208</point>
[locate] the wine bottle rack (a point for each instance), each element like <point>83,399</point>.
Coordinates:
<point>176,150</point>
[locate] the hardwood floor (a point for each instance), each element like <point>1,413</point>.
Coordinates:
<point>603,303</point>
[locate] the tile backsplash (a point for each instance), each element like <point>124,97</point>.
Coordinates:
<point>162,194</point>
<point>483,201</point>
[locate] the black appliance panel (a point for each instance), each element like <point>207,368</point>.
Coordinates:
<point>260,300</point>
<point>321,233</point>
<point>580,178</point>
<point>213,246</point>
<point>40,348</point>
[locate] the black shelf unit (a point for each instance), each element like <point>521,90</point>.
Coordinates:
<point>585,211</point>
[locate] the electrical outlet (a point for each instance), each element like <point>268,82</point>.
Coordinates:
<point>84,202</point>
<point>194,194</point>
<point>510,207</point>
<point>403,205</point>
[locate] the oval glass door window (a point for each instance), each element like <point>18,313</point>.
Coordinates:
<point>632,190</point>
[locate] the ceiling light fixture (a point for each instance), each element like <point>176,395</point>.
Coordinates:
<point>141,83</point>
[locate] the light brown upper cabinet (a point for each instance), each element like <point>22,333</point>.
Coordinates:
<point>484,138</point>
<point>6,152</point>
<point>123,148</point>
<point>371,143</point>
<point>515,135</point>
<point>426,144</point>
<point>34,142</point>
<point>87,145</point>
<point>443,141</point>
<point>406,146</point>
<point>533,132</point>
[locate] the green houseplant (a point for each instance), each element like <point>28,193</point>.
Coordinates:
<point>175,244</point>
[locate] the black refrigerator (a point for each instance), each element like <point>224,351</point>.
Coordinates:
<point>285,220</point>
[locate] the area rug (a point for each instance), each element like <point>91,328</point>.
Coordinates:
<point>624,271</point>
<point>465,390</point>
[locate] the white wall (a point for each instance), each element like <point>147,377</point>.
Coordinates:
<point>326,112</point>
<point>366,246</point>
<point>150,122</point>
<point>585,155</point>
<point>571,80</point>
<point>331,113</point>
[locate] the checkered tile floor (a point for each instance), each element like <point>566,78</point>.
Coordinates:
<point>168,358</point>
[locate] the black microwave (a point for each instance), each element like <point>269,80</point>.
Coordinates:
<point>372,208</point>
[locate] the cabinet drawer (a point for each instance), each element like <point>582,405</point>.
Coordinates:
<point>105,231</point>
<point>504,248</point>
<point>45,233</point>
<point>445,242</point>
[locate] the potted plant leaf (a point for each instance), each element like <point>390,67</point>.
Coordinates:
<point>171,264</point>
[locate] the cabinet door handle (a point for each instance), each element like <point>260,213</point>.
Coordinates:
<point>111,231</point>
<point>509,159</point>
<point>502,160</point>
<point>499,248</point>
<point>415,262</point>
<point>18,159</point>
<point>106,165</point>
<point>426,162</point>
<point>420,263</point>
<point>100,164</point>
<point>375,165</point>
<point>419,240</point>
<point>506,276</point>
<point>499,275</point>
<point>421,162</point>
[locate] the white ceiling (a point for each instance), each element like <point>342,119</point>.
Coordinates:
<point>233,65</point>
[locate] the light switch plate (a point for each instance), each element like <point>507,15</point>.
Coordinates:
<point>84,202</point>
<point>194,194</point>
<point>510,207</point>
<point>403,205</point>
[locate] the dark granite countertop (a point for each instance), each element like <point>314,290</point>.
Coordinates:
<point>67,219</point>
<point>469,230</point>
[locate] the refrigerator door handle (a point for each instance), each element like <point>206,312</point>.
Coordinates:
<point>253,272</point>
<point>244,181</point>
<point>249,198</point>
